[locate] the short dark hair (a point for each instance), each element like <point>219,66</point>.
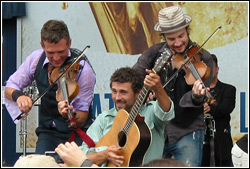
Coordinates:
<point>127,74</point>
<point>54,30</point>
<point>215,59</point>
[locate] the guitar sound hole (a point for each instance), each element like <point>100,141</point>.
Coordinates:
<point>122,138</point>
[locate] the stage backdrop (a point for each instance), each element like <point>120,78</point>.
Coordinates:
<point>118,32</point>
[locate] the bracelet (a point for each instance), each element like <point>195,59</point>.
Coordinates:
<point>16,94</point>
<point>87,163</point>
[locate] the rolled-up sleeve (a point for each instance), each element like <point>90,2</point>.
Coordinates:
<point>164,116</point>
<point>21,79</point>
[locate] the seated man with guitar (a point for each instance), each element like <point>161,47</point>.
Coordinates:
<point>122,138</point>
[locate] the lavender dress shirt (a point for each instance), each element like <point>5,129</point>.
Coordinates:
<point>25,74</point>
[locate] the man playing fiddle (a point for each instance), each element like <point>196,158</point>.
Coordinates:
<point>184,134</point>
<point>53,127</point>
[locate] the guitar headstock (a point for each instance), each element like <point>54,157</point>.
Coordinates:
<point>164,59</point>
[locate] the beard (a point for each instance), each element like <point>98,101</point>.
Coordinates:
<point>119,104</point>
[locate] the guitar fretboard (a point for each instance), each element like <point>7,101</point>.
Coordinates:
<point>136,108</point>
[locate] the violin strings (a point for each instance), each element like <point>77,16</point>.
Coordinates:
<point>194,72</point>
<point>197,76</point>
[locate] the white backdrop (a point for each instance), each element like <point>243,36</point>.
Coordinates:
<point>233,58</point>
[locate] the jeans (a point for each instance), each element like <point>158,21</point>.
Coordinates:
<point>187,149</point>
<point>49,141</point>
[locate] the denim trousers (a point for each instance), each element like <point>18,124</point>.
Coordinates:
<point>187,149</point>
<point>49,141</point>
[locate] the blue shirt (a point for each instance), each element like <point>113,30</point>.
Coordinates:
<point>155,118</point>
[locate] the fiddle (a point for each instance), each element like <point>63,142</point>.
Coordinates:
<point>195,69</point>
<point>67,81</point>
<point>68,87</point>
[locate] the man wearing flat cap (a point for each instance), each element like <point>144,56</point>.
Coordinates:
<point>184,134</point>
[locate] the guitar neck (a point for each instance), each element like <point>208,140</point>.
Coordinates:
<point>136,108</point>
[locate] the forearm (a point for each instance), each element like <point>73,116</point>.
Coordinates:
<point>163,99</point>
<point>24,102</point>
<point>64,109</point>
<point>8,92</point>
<point>98,157</point>
<point>112,154</point>
<point>81,117</point>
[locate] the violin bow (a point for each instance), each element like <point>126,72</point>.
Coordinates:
<point>201,46</point>
<point>75,61</point>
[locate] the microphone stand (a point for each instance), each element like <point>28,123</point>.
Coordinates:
<point>33,93</point>
<point>23,133</point>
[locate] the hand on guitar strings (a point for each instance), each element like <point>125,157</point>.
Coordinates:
<point>113,155</point>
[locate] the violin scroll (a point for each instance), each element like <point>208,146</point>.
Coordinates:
<point>210,99</point>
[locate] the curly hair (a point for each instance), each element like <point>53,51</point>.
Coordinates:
<point>127,74</point>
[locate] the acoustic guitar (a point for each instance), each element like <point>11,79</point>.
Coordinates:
<point>129,130</point>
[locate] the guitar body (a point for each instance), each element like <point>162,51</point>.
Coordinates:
<point>134,144</point>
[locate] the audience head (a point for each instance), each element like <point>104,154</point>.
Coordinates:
<point>36,160</point>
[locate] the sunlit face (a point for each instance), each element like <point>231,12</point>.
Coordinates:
<point>178,41</point>
<point>123,95</point>
<point>57,53</point>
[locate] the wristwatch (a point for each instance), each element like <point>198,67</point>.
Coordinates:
<point>87,163</point>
